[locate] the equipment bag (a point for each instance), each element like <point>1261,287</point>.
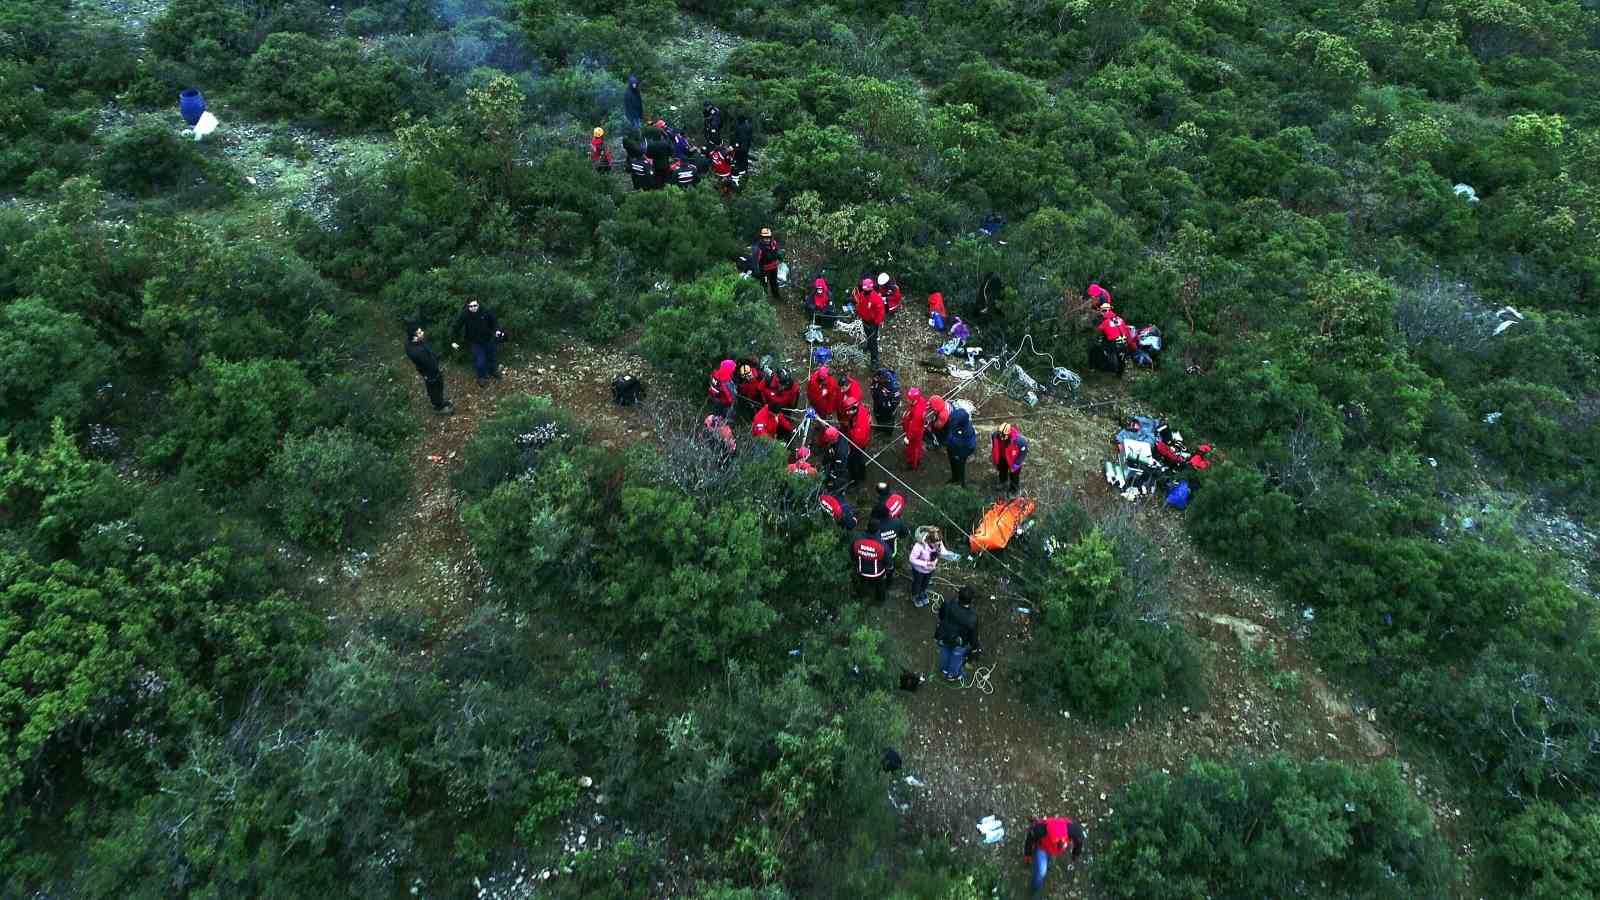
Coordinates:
<point>626,390</point>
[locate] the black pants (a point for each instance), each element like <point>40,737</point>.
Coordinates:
<point>1003,472</point>
<point>435,386</point>
<point>877,588</point>
<point>958,464</point>
<point>872,342</point>
<point>771,279</point>
<point>741,160</point>
<point>858,464</point>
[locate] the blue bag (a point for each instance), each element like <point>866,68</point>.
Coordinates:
<point>1178,495</point>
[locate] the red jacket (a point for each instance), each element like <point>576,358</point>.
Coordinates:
<point>915,425</point>
<point>891,296</point>
<point>1009,452</point>
<point>936,303</point>
<point>870,554</point>
<point>822,391</point>
<point>857,425</point>
<point>751,387</point>
<point>719,393</point>
<point>1056,837</point>
<point>774,392</point>
<point>1115,330</point>
<point>777,426</point>
<point>869,306</point>
<point>850,390</point>
<point>598,153</point>
<point>768,255</point>
<point>721,166</point>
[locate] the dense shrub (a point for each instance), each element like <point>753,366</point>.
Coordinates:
<point>54,363</point>
<point>1550,852</point>
<point>298,76</point>
<point>151,159</point>
<point>718,316</point>
<point>1099,647</point>
<point>226,422</point>
<point>331,482</point>
<point>1272,827</point>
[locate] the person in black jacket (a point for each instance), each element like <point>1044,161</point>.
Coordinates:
<point>633,105</point>
<point>768,256</point>
<point>660,152</point>
<point>478,326</point>
<point>639,169</point>
<point>743,133</point>
<point>427,363</point>
<point>713,123</point>
<point>956,634</point>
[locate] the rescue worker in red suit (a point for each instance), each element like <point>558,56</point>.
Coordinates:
<point>892,297</point>
<point>768,256</point>
<point>599,155</point>
<point>1047,839</point>
<point>821,299</point>
<point>869,306</point>
<point>1007,449</point>
<point>719,436</point>
<point>773,422</point>
<point>915,425</point>
<point>801,464</point>
<point>872,564</point>
<point>938,319</point>
<point>849,391</point>
<point>720,391</point>
<point>856,422</point>
<point>781,390</point>
<point>822,392</point>
<point>747,382</point>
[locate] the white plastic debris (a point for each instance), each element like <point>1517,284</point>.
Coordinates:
<point>1467,193</point>
<point>912,780</point>
<point>1492,418</point>
<point>992,829</point>
<point>207,124</point>
<point>783,273</point>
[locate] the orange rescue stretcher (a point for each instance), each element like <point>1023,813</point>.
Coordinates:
<point>1000,523</point>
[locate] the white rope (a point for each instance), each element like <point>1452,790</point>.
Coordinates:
<point>980,679</point>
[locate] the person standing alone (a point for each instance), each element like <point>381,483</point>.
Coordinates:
<point>956,634</point>
<point>480,330</point>
<point>427,363</point>
<point>1046,840</point>
<point>1007,450</point>
<point>633,105</point>
<point>768,256</point>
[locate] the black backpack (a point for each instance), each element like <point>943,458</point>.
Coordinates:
<point>626,390</point>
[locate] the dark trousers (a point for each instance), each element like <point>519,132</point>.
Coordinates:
<point>483,359</point>
<point>771,280</point>
<point>919,582</point>
<point>872,342</point>
<point>877,588</point>
<point>435,386</point>
<point>1003,472</point>
<point>741,160</point>
<point>858,464</point>
<point>958,464</point>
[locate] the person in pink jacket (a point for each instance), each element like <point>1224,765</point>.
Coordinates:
<point>924,559</point>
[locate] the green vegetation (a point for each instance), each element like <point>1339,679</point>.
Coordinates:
<point>203,400</point>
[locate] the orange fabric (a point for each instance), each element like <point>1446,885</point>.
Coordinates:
<point>999,523</point>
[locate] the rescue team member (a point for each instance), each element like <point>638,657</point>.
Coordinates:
<point>856,423</point>
<point>747,382</point>
<point>892,296</point>
<point>822,392</point>
<point>1047,838</point>
<point>781,390</point>
<point>1007,449</point>
<point>869,306</point>
<point>914,424</point>
<point>768,256</point>
<point>720,391</point>
<point>771,422</point>
<point>953,427</point>
<point>800,463</point>
<point>872,564</point>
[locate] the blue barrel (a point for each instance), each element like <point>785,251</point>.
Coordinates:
<point>191,104</point>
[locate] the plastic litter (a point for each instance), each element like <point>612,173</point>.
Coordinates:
<point>1492,418</point>
<point>207,124</point>
<point>1467,193</point>
<point>992,829</point>
<point>912,780</point>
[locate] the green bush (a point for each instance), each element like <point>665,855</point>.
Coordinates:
<point>1100,648</point>
<point>225,423</point>
<point>297,76</point>
<point>150,159</point>
<point>1274,827</point>
<point>718,316</point>
<point>675,233</point>
<point>523,432</point>
<point>54,363</point>
<point>1549,852</point>
<point>327,483</point>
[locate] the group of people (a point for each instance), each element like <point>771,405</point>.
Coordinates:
<point>474,324</point>
<point>659,154</point>
<point>1148,450</point>
<point>1116,342</point>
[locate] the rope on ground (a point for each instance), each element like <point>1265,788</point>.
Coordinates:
<point>980,679</point>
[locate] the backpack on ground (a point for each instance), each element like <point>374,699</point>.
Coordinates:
<point>626,390</point>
